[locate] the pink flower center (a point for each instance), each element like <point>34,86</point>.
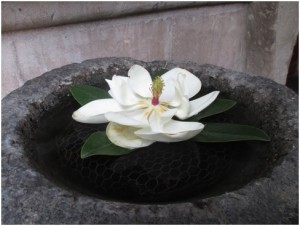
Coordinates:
<point>155,101</point>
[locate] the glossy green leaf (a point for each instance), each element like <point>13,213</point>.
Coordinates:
<point>218,106</point>
<point>226,132</point>
<point>84,94</point>
<point>99,144</point>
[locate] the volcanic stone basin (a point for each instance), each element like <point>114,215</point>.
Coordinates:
<point>45,182</point>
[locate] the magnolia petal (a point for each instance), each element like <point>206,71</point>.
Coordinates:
<point>124,136</point>
<point>120,90</point>
<point>135,118</point>
<point>168,94</point>
<point>183,108</point>
<point>159,116</point>
<point>181,85</point>
<point>93,112</point>
<point>173,131</point>
<point>178,97</point>
<point>201,103</point>
<point>191,81</point>
<point>140,81</point>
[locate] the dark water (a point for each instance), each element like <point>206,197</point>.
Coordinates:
<point>162,172</point>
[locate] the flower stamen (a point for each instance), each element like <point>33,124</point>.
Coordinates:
<point>157,88</point>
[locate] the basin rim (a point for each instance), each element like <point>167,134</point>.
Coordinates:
<point>28,197</point>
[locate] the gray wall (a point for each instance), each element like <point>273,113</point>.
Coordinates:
<point>253,37</point>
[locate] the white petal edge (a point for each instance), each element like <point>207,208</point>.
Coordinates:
<point>174,131</point>
<point>93,112</point>
<point>124,136</point>
<point>183,108</point>
<point>168,94</point>
<point>159,117</point>
<point>121,91</point>
<point>178,96</point>
<point>135,118</point>
<point>201,103</point>
<point>192,82</point>
<point>140,81</point>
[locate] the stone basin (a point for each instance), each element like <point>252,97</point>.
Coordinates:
<point>248,182</point>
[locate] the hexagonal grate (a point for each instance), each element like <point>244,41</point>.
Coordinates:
<point>160,172</point>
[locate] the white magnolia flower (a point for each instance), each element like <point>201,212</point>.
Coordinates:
<point>141,111</point>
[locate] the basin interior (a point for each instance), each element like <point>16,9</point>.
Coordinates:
<point>160,173</point>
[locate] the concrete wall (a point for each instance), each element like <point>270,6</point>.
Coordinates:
<point>272,29</point>
<point>37,37</point>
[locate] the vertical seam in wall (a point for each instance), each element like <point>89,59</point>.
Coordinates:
<point>19,76</point>
<point>243,50</point>
<point>170,39</point>
<point>274,55</point>
<point>247,43</point>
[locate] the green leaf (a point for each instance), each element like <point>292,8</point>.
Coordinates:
<point>84,94</point>
<point>99,144</point>
<point>225,132</point>
<point>218,106</point>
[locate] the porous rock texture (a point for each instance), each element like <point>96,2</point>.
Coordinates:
<point>28,197</point>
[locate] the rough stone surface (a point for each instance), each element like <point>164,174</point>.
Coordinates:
<point>30,15</point>
<point>272,30</point>
<point>256,37</point>
<point>198,34</point>
<point>28,197</point>
<point>288,25</point>
<point>208,36</point>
